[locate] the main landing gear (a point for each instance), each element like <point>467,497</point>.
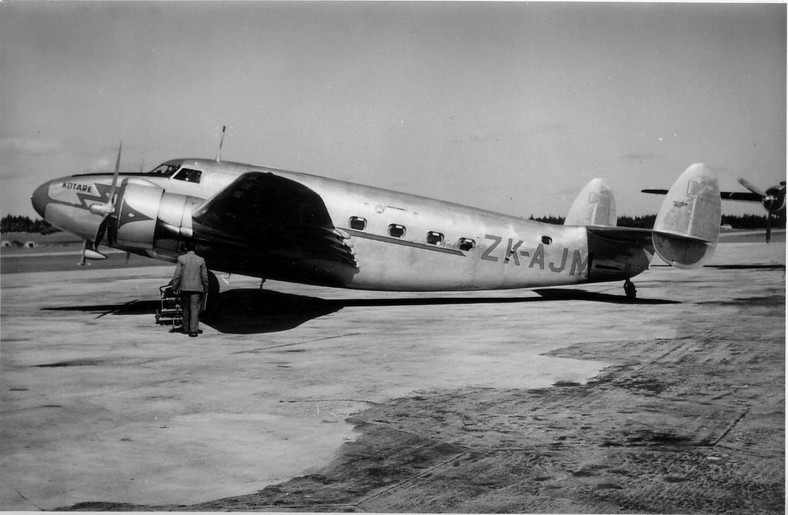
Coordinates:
<point>629,290</point>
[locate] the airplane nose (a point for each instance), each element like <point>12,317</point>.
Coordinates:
<point>40,199</point>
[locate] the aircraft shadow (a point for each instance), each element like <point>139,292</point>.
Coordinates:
<point>252,311</point>
<point>569,294</point>
<point>241,311</point>
<point>772,266</point>
<point>145,307</point>
<point>255,311</point>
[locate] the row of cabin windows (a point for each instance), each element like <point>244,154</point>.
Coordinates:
<point>398,231</point>
<point>433,237</point>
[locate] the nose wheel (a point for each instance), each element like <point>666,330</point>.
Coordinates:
<point>629,290</point>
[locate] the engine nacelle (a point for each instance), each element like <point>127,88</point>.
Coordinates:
<point>136,215</point>
<point>150,221</point>
<point>774,201</point>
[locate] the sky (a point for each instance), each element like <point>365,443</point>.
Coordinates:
<point>511,107</point>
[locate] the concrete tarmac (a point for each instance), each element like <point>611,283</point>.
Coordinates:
<point>100,404</point>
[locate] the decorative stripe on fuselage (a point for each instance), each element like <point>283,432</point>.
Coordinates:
<point>404,243</point>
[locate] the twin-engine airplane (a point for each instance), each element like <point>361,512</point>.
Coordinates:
<point>772,199</point>
<point>288,226</point>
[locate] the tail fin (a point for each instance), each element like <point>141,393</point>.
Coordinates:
<point>688,223</point>
<point>594,205</point>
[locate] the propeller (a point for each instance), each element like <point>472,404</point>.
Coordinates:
<point>105,209</point>
<point>768,200</point>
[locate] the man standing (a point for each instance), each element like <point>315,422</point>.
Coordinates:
<point>191,282</point>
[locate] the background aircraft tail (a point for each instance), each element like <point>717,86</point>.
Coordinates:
<point>688,223</point>
<point>594,205</point>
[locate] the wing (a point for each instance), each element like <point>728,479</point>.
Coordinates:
<point>724,195</point>
<point>740,195</point>
<point>266,225</point>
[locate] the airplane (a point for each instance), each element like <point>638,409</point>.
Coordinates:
<point>772,199</point>
<point>295,227</point>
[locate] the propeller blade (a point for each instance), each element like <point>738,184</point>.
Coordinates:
<point>115,176</point>
<point>84,249</point>
<point>109,207</point>
<point>102,229</point>
<point>753,188</point>
<point>768,228</point>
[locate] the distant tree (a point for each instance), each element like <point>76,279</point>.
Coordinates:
<point>11,223</point>
<point>752,221</point>
<point>556,220</point>
<point>640,222</point>
<point>647,221</point>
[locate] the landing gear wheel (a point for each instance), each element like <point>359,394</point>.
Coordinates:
<point>629,290</point>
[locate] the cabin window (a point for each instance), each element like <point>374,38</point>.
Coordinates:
<point>547,240</point>
<point>188,175</point>
<point>396,230</point>
<point>434,238</point>
<point>467,244</point>
<point>358,223</point>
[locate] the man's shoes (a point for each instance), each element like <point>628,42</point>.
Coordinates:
<point>193,334</point>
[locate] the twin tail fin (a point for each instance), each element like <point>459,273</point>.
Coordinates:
<point>686,228</point>
<point>688,223</point>
<point>594,205</point>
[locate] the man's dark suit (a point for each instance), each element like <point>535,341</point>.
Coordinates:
<point>191,280</point>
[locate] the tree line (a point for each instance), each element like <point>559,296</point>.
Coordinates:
<point>10,223</point>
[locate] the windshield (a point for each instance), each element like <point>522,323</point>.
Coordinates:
<point>163,170</point>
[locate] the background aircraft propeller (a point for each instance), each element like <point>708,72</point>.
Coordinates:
<point>753,188</point>
<point>773,200</point>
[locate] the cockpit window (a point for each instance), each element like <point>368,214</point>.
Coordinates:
<point>164,170</point>
<point>188,175</point>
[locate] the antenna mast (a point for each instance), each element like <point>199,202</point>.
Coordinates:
<point>221,141</point>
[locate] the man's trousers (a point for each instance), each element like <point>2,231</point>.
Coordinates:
<point>191,302</point>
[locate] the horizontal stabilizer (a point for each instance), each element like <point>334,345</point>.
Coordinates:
<point>627,235</point>
<point>594,205</point>
<point>688,223</point>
